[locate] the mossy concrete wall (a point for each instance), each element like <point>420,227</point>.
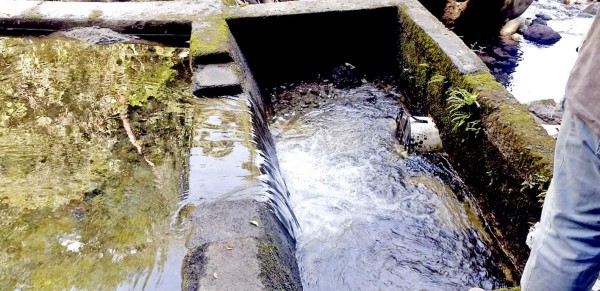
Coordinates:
<point>509,162</point>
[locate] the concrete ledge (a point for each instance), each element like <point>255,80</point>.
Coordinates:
<point>511,150</point>
<point>210,42</point>
<point>216,80</point>
<point>124,17</point>
<point>229,252</point>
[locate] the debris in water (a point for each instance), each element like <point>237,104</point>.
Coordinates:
<point>216,275</point>
<point>254,222</point>
<point>229,248</point>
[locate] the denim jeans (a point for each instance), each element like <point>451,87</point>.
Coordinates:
<point>566,250</point>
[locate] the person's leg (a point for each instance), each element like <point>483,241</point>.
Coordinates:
<point>566,250</point>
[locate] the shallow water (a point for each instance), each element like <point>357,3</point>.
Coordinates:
<point>542,71</point>
<point>80,207</point>
<point>369,218</point>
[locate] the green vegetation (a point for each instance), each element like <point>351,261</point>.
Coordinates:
<point>209,38</point>
<point>463,107</point>
<point>538,183</point>
<point>95,14</point>
<point>79,206</point>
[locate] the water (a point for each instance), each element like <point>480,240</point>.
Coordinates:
<point>369,218</point>
<point>539,72</point>
<point>542,71</point>
<point>80,207</point>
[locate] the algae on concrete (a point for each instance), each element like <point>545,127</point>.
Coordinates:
<point>210,38</point>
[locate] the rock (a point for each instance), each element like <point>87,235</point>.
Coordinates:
<point>512,26</point>
<point>345,76</point>
<point>98,36</point>
<point>541,34</point>
<point>585,15</point>
<point>514,8</point>
<point>592,8</point>
<point>476,17</point>
<point>539,21</point>
<point>516,37</point>
<point>543,16</point>
<point>547,111</point>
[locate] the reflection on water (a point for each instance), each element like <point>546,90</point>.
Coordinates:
<point>224,159</point>
<point>80,207</point>
<point>369,218</point>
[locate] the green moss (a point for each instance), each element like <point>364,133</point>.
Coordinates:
<point>32,15</point>
<point>509,289</point>
<point>95,14</point>
<point>229,2</point>
<point>209,38</point>
<point>275,275</point>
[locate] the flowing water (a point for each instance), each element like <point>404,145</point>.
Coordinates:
<point>369,217</point>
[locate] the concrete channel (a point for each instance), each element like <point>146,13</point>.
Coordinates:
<point>228,55</point>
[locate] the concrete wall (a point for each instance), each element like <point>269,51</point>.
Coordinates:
<point>509,162</point>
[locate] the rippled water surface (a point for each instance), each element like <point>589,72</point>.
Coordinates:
<point>369,218</point>
<point>80,206</point>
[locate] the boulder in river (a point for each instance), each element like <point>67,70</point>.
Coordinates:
<point>476,17</point>
<point>547,111</point>
<point>544,16</point>
<point>592,8</point>
<point>541,34</point>
<point>539,21</point>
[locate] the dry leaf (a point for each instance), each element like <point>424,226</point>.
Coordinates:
<point>229,248</point>
<point>254,222</point>
<point>216,275</point>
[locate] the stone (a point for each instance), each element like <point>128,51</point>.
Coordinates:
<point>216,80</point>
<point>544,16</point>
<point>539,21</point>
<point>512,26</point>
<point>345,75</point>
<point>541,34</point>
<point>547,111</point>
<point>592,8</point>
<point>98,36</point>
<point>585,15</point>
<point>476,17</point>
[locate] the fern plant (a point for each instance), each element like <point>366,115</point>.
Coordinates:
<point>462,105</point>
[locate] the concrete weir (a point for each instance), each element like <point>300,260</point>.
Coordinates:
<point>241,241</point>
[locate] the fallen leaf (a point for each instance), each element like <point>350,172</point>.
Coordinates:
<point>229,248</point>
<point>216,275</point>
<point>254,222</point>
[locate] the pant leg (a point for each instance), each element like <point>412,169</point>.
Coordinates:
<point>566,250</point>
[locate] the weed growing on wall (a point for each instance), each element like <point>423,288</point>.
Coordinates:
<point>463,108</point>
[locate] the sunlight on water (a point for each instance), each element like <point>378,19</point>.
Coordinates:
<point>542,71</point>
<point>80,207</point>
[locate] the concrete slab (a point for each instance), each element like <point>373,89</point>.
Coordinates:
<point>216,80</point>
<point>158,10</point>
<point>240,245</point>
